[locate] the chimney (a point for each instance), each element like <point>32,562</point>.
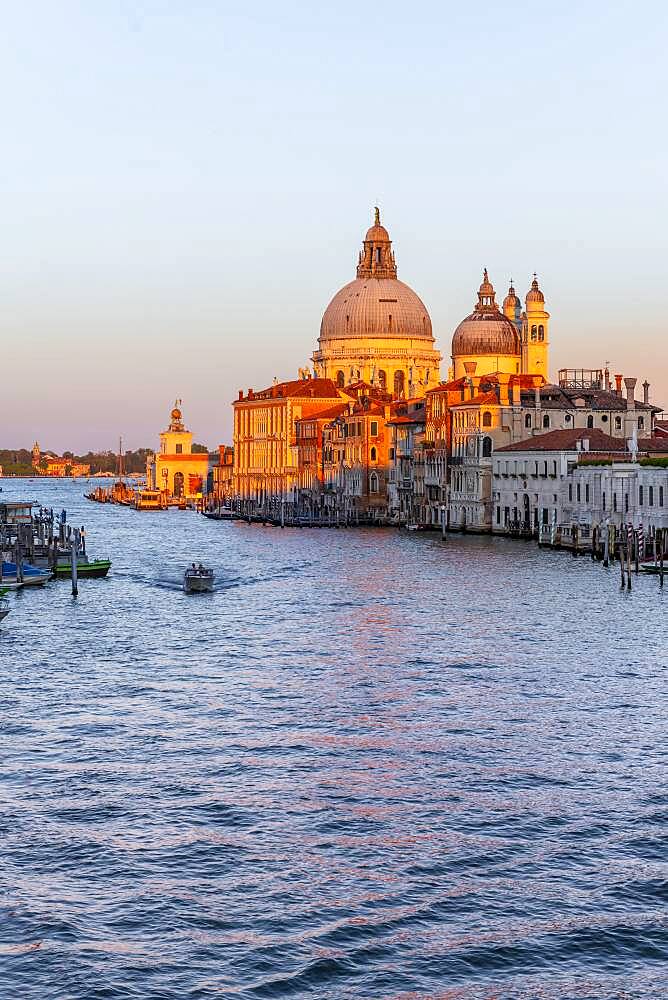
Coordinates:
<point>504,381</point>
<point>469,368</point>
<point>630,384</point>
<point>645,392</point>
<point>241,394</point>
<point>618,384</point>
<point>536,393</point>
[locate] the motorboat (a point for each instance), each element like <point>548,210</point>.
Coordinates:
<point>30,576</point>
<point>650,566</point>
<point>198,580</point>
<point>86,568</point>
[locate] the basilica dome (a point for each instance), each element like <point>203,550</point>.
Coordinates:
<point>376,329</point>
<point>376,307</point>
<point>486,331</point>
<point>376,303</point>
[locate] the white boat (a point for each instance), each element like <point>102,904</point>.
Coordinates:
<point>4,607</point>
<point>198,580</point>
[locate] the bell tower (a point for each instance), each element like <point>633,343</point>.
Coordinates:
<point>535,327</point>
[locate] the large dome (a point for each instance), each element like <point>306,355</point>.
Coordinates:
<point>376,307</point>
<point>486,330</point>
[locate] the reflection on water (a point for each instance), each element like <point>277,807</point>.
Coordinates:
<point>368,765</point>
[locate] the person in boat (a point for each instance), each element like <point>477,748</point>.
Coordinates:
<point>200,568</point>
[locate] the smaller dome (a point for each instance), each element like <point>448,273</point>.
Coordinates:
<point>511,300</point>
<point>534,294</point>
<point>377,234</point>
<point>486,330</point>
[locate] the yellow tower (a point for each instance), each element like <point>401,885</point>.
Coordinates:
<point>535,326</point>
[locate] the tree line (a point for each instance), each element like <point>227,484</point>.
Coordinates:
<point>18,461</point>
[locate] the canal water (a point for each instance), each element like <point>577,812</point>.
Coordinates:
<point>369,765</point>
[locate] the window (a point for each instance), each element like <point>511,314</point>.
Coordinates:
<point>374,428</point>
<point>640,495</point>
<point>527,420</point>
<point>586,492</point>
<point>546,420</point>
<point>570,492</point>
<point>390,453</point>
<point>660,496</point>
<point>498,515</point>
<point>374,455</point>
<point>641,423</point>
<point>567,418</point>
<point>590,420</point>
<point>604,418</point>
<point>554,469</point>
<point>541,333</point>
<point>614,501</point>
<point>486,447</point>
<point>650,490</point>
<point>382,379</point>
<point>578,488</point>
<point>399,380</point>
<point>534,333</point>
<point>340,379</point>
<point>618,423</point>
<point>603,501</point>
<point>487,419</point>
<point>179,449</point>
<point>373,483</point>
<point>626,502</point>
<point>378,255</point>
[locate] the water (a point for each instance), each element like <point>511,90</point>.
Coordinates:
<point>369,765</point>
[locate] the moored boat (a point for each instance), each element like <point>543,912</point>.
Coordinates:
<point>86,568</point>
<point>28,576</point>
<point>4,605</point>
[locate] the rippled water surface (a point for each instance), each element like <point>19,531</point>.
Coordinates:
<point>369,765</point>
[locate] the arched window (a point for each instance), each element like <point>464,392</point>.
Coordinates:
<point>373,483</point>
<point>399,382</point>
<point>378,255</point>
<point>590,420</point>
<point>534,332</point>
<point>487,419</point>
<point>541,332</point>
<point>546,420</point>
<point>527,420</point>
<point>340,379</point>
<point>618,423</point>
<point>486,447</point>
<point>382,379</point>
<point>641,423</point>
<point>374,455</point>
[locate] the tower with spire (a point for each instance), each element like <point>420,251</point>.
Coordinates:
<point>534,337</point>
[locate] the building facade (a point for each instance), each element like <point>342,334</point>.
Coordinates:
<point>175,469</point>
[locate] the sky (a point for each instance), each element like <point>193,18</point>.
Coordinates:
<point>185,185</point>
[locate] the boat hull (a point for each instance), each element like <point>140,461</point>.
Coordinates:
<point>89,570</point>
<point>198,584</point>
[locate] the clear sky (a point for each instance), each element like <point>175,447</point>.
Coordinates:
<point>186,184</point>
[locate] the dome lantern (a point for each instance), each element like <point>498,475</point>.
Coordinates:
<point>377,259</point>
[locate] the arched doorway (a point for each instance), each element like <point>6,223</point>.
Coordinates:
<point>178,484</point>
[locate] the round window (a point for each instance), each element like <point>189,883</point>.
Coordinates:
<point>568,418</point>
<point>604,418</point>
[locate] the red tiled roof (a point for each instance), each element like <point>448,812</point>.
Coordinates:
<point>328,414</point>
<point>565,440</point>
<point>310,388</point>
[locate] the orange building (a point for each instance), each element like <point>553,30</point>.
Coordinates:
<point>266,463</point>
<point>176,470</point>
